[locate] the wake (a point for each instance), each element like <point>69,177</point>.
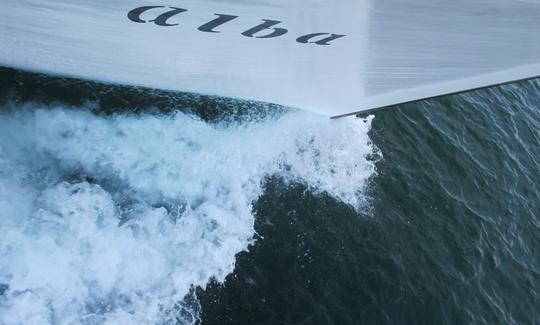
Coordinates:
<point>114,220</point>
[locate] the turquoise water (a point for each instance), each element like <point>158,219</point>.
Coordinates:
<point>427,214</point>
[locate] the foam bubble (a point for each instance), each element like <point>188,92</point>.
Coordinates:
<point>115,219</point>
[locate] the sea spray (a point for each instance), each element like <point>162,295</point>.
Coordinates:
<point>115,219</point>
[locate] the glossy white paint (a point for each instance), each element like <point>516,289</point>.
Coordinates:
<point>394,50</point>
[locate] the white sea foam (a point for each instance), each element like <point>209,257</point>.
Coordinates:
<point>114,219</point>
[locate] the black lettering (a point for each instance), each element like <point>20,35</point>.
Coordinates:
<point>325,41</point>
<point>135,14</point>
<point>162,19</point>
<point>266,25</point>
<point>264,30</point>
<point>222,19</point>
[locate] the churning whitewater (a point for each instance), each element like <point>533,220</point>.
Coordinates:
<point>115,219</point>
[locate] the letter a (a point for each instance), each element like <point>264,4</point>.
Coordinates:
<point>266,25</point>
<point>135,14</point>
<point>162,19</point>
<point>325,41</point>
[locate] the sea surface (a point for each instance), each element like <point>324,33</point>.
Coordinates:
<point>121,205</point>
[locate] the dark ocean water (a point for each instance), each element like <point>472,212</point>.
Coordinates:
<point>453,238</point>
<point>449,232</point>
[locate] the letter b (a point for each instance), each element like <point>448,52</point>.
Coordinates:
<point>266,25</point>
